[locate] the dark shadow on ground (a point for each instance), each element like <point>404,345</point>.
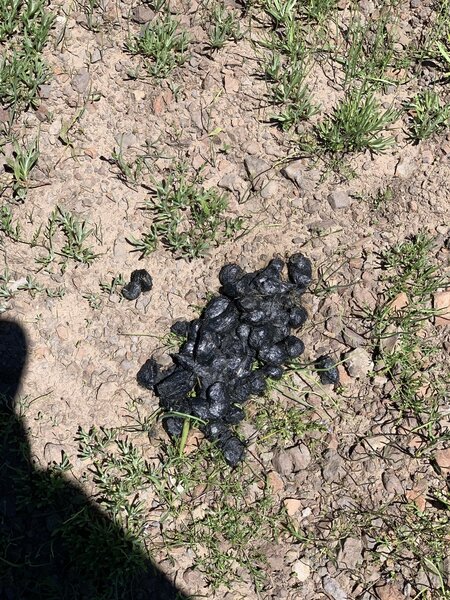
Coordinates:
<point>54,542</point>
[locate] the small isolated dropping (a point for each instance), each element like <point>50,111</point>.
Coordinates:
<point>140,281</point>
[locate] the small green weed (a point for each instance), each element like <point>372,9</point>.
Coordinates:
<point>280,11</point>
<point>7,227</point>
<point>427,115</point>
<point>162,44</point>
<point>382,198</point>
<point>129,171</point>
<point>24,31</point>
<point>157,5</point>
<point>76,232</point>
<point>90,8</point>
<point>110,288</point>
<point>94,300</point>
<point>291,93</point>
<point>356,124</point>
<point>120,472</point>
<point>368,50</point>
<point>6,292</point>
<point>274,421</point>
<point>408,354</point>
<point>187,218</point>
<point>21,165</point>
<point>317,11</point>
<point>420,535</point>
<point>225,533</point>
<point>224,27</point>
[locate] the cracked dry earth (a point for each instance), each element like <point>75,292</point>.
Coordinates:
<point>360,475</point>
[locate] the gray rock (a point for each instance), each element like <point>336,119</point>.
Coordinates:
<point>80,82</point>
<point>406,167</point>
<point>96,56</point>
<point>294,172</point>
<point>446,570</point>
<point>392,483</point>
<point>255,166</point>
<point>333,589</point>
<point>352,338</point>
<point>282,462</point>
<point>125,140</point>
<point>350,555</point>
<point>302,570</point>
<point>4,115</point>
<point>339,199</point>
<point>358,363</point>
<point>301,457</point>
<point>44,91</point>
<point>303,179</point>
<point>367,6</point>
<point>269,189</point>
<point>142,14</point>
<point>333,469</point>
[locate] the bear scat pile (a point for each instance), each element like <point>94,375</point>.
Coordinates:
<point>242,337</point>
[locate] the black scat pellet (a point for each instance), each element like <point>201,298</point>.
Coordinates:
<point>234,415</point>
<point>215,430</point>
<point>140,281</point>
<point>271,286</point>
<point>131,291</point>
<point>218,399</point>
<point>243,331</point>
<point>245,284</point>
<point>233,450</point>
<point>225,322</point>
<point>144,278</point>
<point>327,370</point>
<point>297,316</point>
<point>273,355</point>
<point>248,303</point>
<point>180,328</point>
<point>148,374</point>
<point>242,391</point>
<point>173,426</point>
<point>176,386</point>
<point>273,371</point>
<point>257,382</point>
<point>247,326</point>
<point>215,307</point>
<point>254,316</point>
<point>230,274</point>
<point>206,346</point>
<point>294,347</point>
<point>193,330</point>
<point>187,348</point>
<point>200,409</point>
<point>274,268</point>
<point>300,270</point>
<point>262,335</point>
